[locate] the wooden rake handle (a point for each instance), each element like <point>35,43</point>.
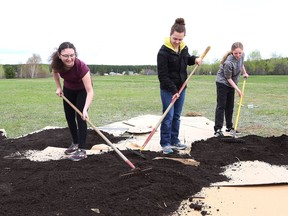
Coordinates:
<point>172,102</point>
<point>193,71</point>
<point>100,133</point>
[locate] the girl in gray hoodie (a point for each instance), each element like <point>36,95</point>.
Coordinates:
<point>231,67</point>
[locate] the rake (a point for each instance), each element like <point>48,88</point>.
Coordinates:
<point>138,152</point>
<point>233,139</point>
<point>134,170</point>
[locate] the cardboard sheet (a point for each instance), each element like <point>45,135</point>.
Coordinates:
<point>254,173</point>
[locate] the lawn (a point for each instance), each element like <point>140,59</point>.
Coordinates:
<point>28,105</point>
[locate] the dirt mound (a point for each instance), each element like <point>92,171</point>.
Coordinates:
<point>93,187</point>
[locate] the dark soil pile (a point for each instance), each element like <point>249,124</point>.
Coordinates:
<point>93,186</point>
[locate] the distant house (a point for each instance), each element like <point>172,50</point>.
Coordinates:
<point>114,73</point>
<point>127,72</point>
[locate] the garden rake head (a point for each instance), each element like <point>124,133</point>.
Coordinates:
<point>232,140</point>
<point>136,172</point>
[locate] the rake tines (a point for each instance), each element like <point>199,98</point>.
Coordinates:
<point>232,140</point>
<point>136,172</point>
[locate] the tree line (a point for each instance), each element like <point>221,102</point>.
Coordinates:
<point>273,66</point>
<point>254,66</point>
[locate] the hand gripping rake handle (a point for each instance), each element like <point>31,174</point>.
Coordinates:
<point>172,102</point>
<point>101,134</point>
<point>239,107</point>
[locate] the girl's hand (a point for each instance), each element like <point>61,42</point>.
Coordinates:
<point>59,92</point>
<point>245,75</point>
<point>239,93</point>
<point>198,61</point>
<point>175,96</point>
<point>85,115</point>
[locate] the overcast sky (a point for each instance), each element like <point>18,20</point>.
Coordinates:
<point>130,32</point>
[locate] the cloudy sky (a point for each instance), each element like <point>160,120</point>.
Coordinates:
<point>130,32</point>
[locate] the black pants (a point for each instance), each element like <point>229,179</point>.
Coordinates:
<point>225,106</point>
<point>77,126</point>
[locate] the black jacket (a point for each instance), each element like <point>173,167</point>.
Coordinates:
<point>172,68</point>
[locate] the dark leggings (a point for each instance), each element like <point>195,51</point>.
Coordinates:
<point>78,98</point>
<point>225,105</point>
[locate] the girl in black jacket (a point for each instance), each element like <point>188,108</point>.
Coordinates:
<point>172,60</point>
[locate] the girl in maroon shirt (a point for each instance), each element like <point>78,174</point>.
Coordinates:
<point>78,89</point>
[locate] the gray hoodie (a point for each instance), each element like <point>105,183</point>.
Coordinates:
<point>232,68</point>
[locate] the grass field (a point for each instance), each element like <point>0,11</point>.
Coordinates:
<point>28,105</point>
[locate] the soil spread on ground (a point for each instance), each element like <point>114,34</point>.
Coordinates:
<point>95,185</point>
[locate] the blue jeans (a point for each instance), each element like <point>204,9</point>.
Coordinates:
<point>169,130</point>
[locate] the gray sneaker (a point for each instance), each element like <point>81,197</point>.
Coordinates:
<point>232,131</point>
<point>179,146</point>
<point>167,150</point>
<point>80,154</point>
<point>72,149</point>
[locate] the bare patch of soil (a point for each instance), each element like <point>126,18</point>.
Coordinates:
<point>93,187</point>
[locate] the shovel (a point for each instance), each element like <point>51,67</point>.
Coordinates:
<point>167,110</point>
<point>134,169</point>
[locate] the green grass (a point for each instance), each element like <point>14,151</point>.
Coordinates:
<point>28,105</point>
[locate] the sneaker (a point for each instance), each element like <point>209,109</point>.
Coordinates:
<point>78,155</point>
<point>179,146</point>
<point>167,150</point>
<point>72,149</point>
<point>218,133</point>
<point>231,131</point>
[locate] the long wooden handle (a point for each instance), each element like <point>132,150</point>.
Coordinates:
<point>172,102</point>
<point>205,52</point>
<point>239,107</point>
<point>100,133</point>
<point>186,81</point>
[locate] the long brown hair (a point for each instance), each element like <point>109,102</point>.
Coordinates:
<point>56,62</point>
<point>233,47</point>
